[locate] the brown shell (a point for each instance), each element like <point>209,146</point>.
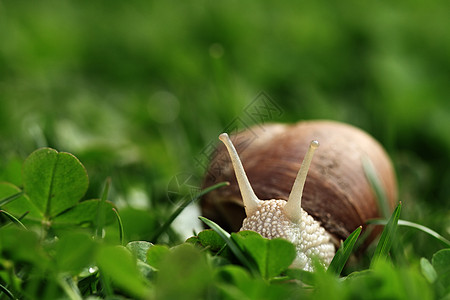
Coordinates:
<point>336,192</point>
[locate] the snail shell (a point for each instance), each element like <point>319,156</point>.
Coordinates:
<point>336,193</point>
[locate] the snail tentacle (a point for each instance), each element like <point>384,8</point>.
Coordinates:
<point>292,209</point>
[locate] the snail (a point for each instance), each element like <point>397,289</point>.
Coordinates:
<point>323,207</point>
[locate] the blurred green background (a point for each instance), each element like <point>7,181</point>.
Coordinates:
<point>137,90</point>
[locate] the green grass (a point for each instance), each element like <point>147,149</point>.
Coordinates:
<point>69,250</point>
<point>138,91</point>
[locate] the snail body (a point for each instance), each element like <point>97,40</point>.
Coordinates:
<point>336,194</point>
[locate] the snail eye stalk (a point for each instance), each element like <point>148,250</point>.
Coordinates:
<point>292,207</point>
<point>251,202</point>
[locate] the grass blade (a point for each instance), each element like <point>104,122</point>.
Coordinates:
<point>11,198</point>
<point>387,237</point>
<point>343,253</point>
<point>232,244</point>
<point>106,284</point>
<point>374,180</point>
<point>13,219</point>
<point>7,292</point>
<point>119,220</point>
<point>23,215</point>
<point>416,226</point>
<point>101,209</point>
<point>69,287</point>
<point>175,214</point>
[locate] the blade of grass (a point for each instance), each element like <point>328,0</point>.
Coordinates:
<point>119,220</point>
<point>343,253</point>
<point>23,215</point>
<point>69,287</point>
<point>11,198</point>
<point>387,236</point>
<point>101,209</point>
<point>232,244</point>
<point>363,237</point>
<point>105,281</point>
<point>374,180</point>
<point>422,228</point>
<point>175,214</point>
<point>7,292</point>
<point>13,219</point>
